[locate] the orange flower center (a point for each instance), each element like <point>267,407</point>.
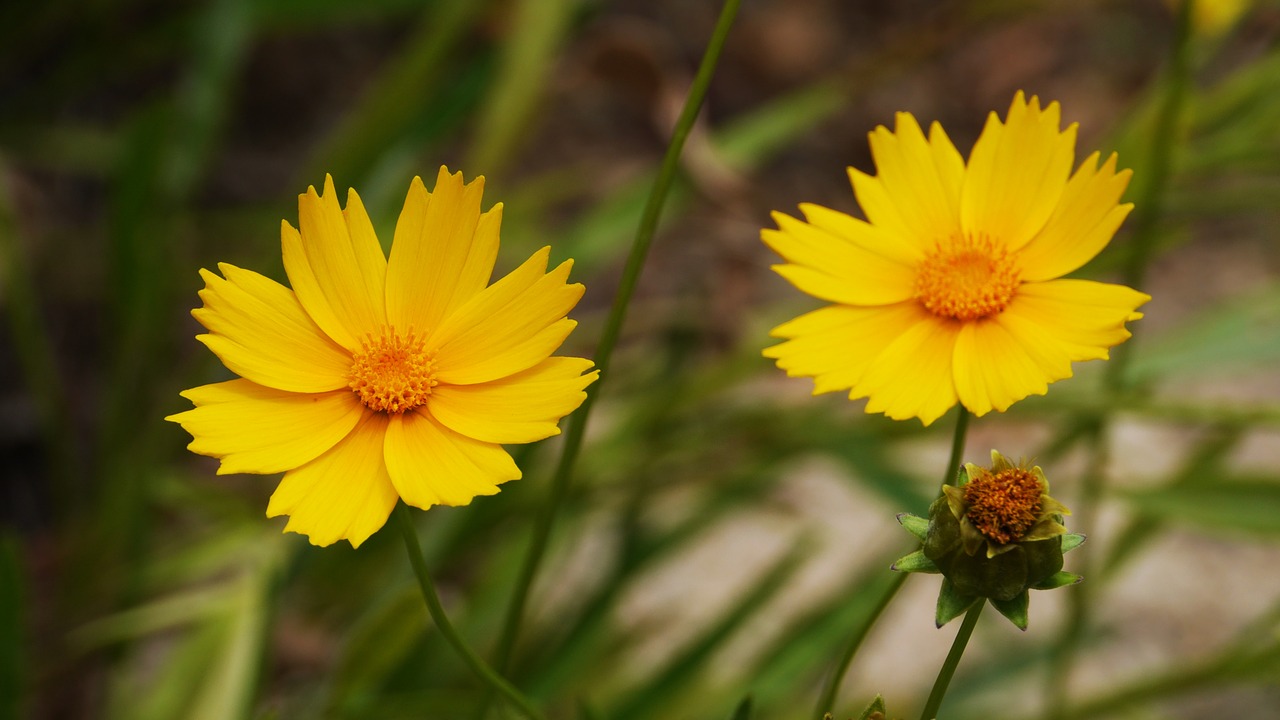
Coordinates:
<point>1003,506</point>
<point>391,373</point>
<point>966,279</point>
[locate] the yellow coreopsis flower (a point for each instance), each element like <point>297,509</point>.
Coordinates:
<point>951,290</point>
<point>379,378</point>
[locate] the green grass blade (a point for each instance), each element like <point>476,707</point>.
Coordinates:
<point>408,85</point>
<point>538,29</point>
<point>649,700</point>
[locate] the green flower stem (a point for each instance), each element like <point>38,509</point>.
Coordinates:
<point>432,599</point>
<point>1148,206</point>
<point>609,338</point>
<point>827,701</point>
<point>952,662</point>
<point>957,447</point>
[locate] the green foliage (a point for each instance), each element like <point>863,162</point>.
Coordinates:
<point>149,145</point>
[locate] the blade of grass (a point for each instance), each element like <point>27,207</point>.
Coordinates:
<point>657,694</point>
<point>613,327</point>
<point>537,30</point>
<point>408,84</point>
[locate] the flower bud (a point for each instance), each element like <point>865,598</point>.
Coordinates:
<point>996,534</point>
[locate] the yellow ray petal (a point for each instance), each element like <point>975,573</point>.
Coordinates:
<point>912,376</point>
<point>836,344</point>
<point>1084,317</point>
<point>339,275</point>
<point>510,326</point>
<point>862,234</point>
<point>1016,173</point>
<point>345,494</point>
<point>260,331</point>
<point>833,269</point>
<point>520,408</point>
<point>256,429</point>
<point>1084,221</point>
<point>921,177</point>
<point>431,464</point>
<point>993,370</point>
<point>443,252</point>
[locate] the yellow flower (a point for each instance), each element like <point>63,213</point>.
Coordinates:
<point>950,290</point>
<point>375,379</point>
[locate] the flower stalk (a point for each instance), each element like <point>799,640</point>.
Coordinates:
<point>949,665</point>
<point>432,599</point>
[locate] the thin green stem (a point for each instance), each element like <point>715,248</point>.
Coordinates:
<point>1149,204</point>
<point>432,599</point>
<point>949,665</point>
<point>609,338</point>
<point>957,446</point>
<point>827,700</point>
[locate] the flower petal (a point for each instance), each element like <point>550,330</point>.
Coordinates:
<point>832,268</point>
<point>912,377</point>
<point>433,465</point>
<point>836,344</point>
<point>871,238</point>
<point>510,326</point>
<point>915,195</point>
<point>256,429</point>
<point>993,370</point>
<point>1016,174</point>
<point>260,331</point>
<point>1082,316</point>
<point>1084,221</point>
<point>519,408</point>
<point>336,265</point>
<point>345,493</point>
<point>443,252</point>
<point>921,177</point>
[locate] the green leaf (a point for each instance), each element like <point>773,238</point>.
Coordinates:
<point>1240,505</point>
<point>1015,609</point>
<point>743,711</point>
<point>951,604</point>
<point>915,562</point>
<point>1060,579</point>
<point>1071,541</point>
<point>915,525</point>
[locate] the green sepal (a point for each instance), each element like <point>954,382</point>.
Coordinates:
<point>915,525</point>
<point>1071,541</point>
<point>915,562</point>
<point>951,604</point>
<point>1015,609</point>
<point>874,709</point>
<point>1057,580</point>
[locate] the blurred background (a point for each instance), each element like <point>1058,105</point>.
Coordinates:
<point>725,531</point>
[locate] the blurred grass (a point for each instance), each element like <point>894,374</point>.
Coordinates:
<point>173,597</point>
